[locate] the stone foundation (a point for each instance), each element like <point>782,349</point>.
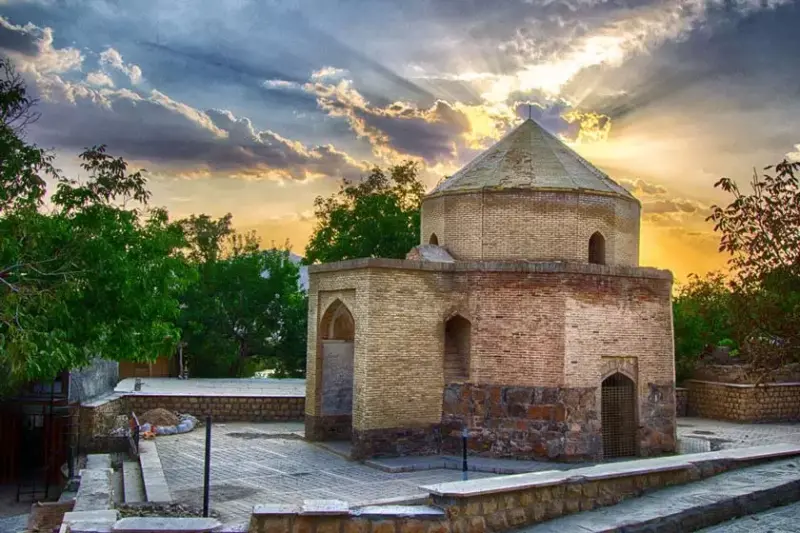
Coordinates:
<point>523,422</point>
<point>394,442</point>
<point>770,402</point>
<point>321,428</point>
<point>657,431</point>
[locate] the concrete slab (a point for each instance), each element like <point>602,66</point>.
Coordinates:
<point>324,507</point>
<point>155,484</point>
<point>95,492</point>
<point>166,525</point>
<point>133,482</point>
<point>98,461</point>
<point>89,521</point>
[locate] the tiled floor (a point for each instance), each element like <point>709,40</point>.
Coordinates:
<point>262,463</point>
<point>780,520</point>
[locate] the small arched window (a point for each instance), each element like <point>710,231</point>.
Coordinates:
<point>456,349</point>
<point>434,240</point>
<point>597,249</point>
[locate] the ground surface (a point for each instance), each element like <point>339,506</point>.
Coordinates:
<point>781,520</point>
<point>215,387</point>
<point>260,463</point>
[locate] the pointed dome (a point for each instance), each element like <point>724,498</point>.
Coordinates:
<point>530,158</point>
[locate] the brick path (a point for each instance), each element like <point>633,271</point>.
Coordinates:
<point>256,463</point>
<point>265,463</point>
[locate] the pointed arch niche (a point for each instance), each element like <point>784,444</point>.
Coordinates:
<point>457,333</point>
<point>597,248</point>
<point>336,334</point>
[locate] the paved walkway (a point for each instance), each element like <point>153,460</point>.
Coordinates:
<point>261,463</point>
<point>723,435</point>
<point>269,462</point>
<point>214,387</point>
<point>781,520</point>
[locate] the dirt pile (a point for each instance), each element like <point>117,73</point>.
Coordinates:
<point>159,417</point>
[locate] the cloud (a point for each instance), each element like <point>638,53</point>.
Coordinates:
<point>676,205</point>
<point>281,85</point>
<point>399,129</point>
<point>152,127</point>
<point>642,187</point>
<point>113,59</point>
<point>328,73</point>
<point>99,79</point>
<point>32,47</point>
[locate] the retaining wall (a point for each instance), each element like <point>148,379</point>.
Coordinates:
<point>769,402</point>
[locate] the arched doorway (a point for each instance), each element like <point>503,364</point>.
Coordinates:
<point>336,336</point>
<point>619,416</point>
<point>597,248</point>
<point>456,349</point>
<point>434,240</point>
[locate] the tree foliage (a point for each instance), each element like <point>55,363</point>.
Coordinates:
<point>702,318</point>
<point>95,273</point>
<point>760,230</point>
<point>246,309</point>
<point>376,217</point>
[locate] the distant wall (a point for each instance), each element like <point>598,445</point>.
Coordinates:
<point>770,402</point>
<point>100,377</point>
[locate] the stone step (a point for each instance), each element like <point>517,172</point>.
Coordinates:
<point>132,479</point>
<point>690,507</point>
<point>155,484</point>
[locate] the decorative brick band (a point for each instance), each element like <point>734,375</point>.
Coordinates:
<point>225,408</point>
<point>744,403</point>
<point>555,267</point>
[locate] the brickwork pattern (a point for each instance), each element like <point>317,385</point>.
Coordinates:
<point>744,403</point>
<point>224,408</point>
<point>528,321</point>
<point>532,225</point>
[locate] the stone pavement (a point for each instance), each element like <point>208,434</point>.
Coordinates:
<point>214,387</point>
<point>780,520</point>
<point>722,435</point>
<point>269,463</point>
<point>256,463</point>
<point>13,524</point>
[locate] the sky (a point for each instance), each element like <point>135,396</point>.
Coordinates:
<point>256,107</point>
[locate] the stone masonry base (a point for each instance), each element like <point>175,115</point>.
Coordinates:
<point>393,442</point>
<point>322,428</point>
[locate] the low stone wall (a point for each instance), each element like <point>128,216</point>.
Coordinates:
<point>681,401</point>
<point>770,402</point>
<point>224,408</point>
<point>498,504</point>
<point>98,417</point>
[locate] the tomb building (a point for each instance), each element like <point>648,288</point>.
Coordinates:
<point>522,316</point>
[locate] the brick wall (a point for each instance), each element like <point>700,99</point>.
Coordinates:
<point>744,403</point>
<point>532,225</point>
<point>532,325</point>
<point>224,408</point>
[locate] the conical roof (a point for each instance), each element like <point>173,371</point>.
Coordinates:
<point>530,158</point>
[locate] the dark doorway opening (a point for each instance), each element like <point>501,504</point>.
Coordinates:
<point>619,416</point>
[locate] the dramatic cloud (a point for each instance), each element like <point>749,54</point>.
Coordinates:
<point>153,127</point>
<point>113,59</point>
<point>640,187</point>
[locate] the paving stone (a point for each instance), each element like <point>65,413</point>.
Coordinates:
<point>166,525</point>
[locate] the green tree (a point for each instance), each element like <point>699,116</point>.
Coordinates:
<point>376,217</point>
<point>95,274</point>
<point>702,318</point>
<point>246,309</point>
<point>760,230</point>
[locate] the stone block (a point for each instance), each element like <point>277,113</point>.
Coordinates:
<point>384,526</point>
<point>516,517</point>
<point>166,525</point>
<point>412,526</point>
<point>356,525</point>
<point>497,521</point>
<point>329,525</point>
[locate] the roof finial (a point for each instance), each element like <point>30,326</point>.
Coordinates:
<point>530,107</point>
